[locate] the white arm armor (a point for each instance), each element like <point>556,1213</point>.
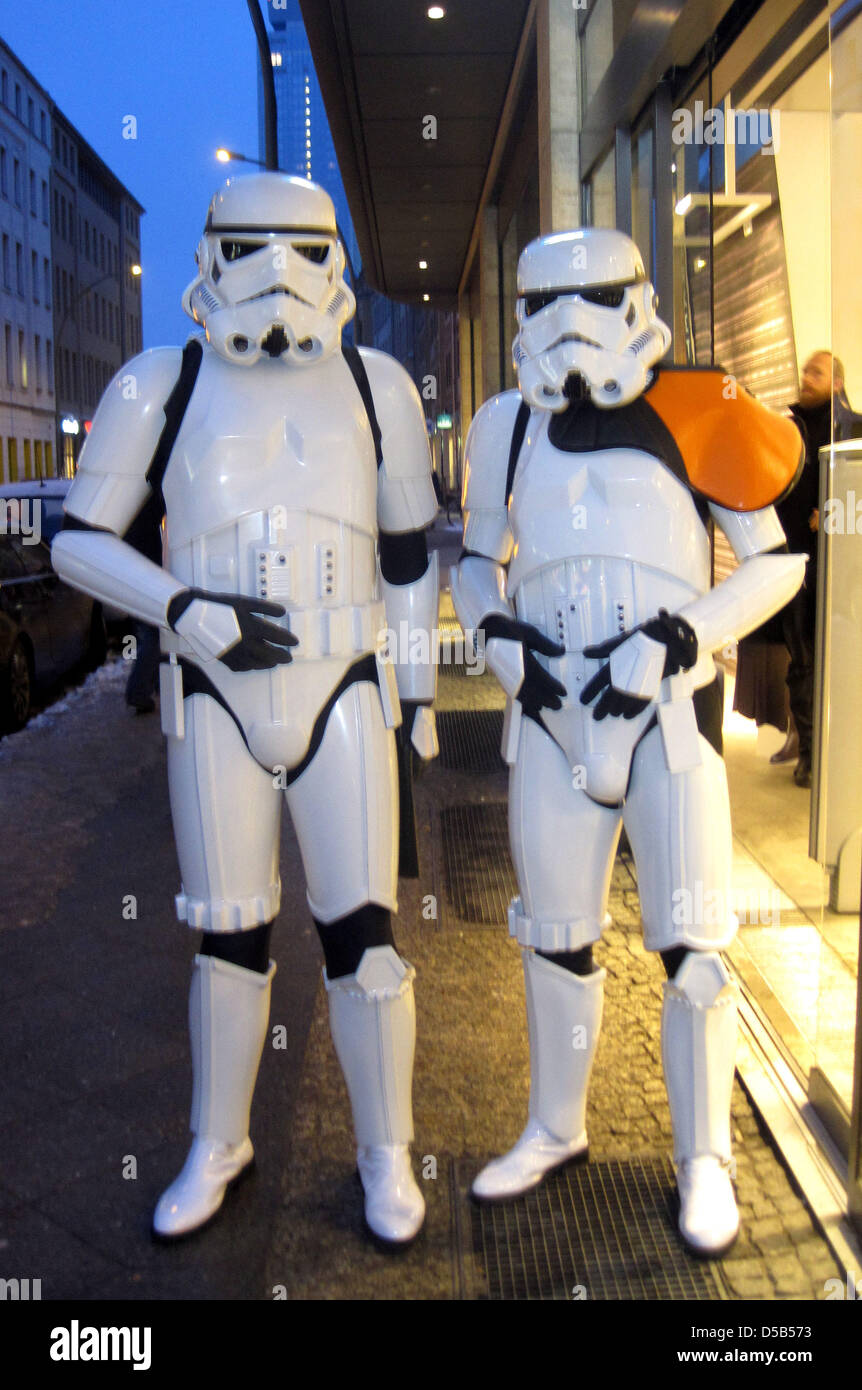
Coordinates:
<point>406,501</point>
<point>113,572</point>
<point>479,579</point>
<point>478,590</point>
<point>760,587</point>
<point>110,488</point>
<point>412,608</point>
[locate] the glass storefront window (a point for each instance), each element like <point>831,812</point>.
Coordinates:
<point>767,207</point>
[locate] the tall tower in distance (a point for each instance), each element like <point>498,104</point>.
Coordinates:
<point>305,145</point>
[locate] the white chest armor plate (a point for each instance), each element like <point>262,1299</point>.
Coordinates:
<point>602,541</point>
<point>271,490</point>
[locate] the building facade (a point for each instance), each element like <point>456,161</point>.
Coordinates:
<point>70,304</point>
<point>96,242</point>
<point>27,401</point>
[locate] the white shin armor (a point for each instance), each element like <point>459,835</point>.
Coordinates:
<point>698,1038</point>
<point>228,1017</point>
<point>564,1015</point>
<point>373,1020</point>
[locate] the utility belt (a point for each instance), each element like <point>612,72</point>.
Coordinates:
<point>346,631</point>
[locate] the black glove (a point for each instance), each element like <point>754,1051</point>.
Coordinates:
<point>262,644</point>
<point>539,689</point>
<point>681,643</point>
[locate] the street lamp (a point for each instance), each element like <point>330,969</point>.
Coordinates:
<point>225,156</point>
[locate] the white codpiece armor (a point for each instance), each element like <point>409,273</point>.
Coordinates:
<point>587,563</point>
<point>288,459</point>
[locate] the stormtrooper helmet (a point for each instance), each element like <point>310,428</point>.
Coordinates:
<point>271,272</point>
<point>585,310</point>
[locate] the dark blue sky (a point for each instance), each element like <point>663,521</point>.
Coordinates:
<point>188,73</point>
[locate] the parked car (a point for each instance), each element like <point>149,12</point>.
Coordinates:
<point>46,628</point>
<point>40,505</point>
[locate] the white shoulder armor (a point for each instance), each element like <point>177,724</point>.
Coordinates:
<point>406,500</point>
<point>486,462</point>
<point>110,486</point>
<point>405,494</point>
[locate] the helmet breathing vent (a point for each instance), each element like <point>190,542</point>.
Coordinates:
<point>642,341</point>
<point>339,299</point>
<point>208,300</point>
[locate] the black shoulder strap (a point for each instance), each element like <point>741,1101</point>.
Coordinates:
<point>521,422</point>
<point>353,358</point>
<point>175,408</point>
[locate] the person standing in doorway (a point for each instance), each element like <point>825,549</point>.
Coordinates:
<point>821,396</point>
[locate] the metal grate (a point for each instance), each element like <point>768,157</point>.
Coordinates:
<point>470,740</point>
<point>604,1230</point>
<point>480,880</point>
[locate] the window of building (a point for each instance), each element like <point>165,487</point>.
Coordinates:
<point>16,179</point>
<point>34,275</point>
<point>4,176</point>
<point>4,87</point>
<point>10,372</point>
<point>28,460</point>
<point>7,263</point>
<point>24,375</point>
<point>12,459</point>
<point>37,446</point>
<point>33,205</point>
<point>46,280</point>
<point>49,459</point>
<point>18,100</point>
<point>19,266</point>
<point>37,358</point>
<point>43,127</point>
<point>49,364</point>
<point>45,212</point>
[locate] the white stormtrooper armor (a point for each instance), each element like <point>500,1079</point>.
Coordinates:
<point>575,539</point>
<point>275,679</point>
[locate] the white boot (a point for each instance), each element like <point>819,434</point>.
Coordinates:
<point>698,1043</point>
<point>373,1022</point>
<point>228,1016</point>
<point>564,1016</point>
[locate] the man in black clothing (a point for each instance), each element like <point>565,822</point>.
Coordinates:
<point>821,396</point>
